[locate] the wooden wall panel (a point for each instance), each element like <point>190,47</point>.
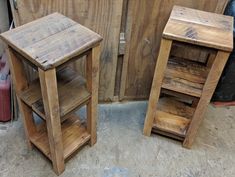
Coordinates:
<point>146,21</point>
<point>142,21</point>
<point>102,16</point>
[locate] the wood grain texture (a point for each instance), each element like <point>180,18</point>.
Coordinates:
<point>103,17</point>
<point>172,106</point>
<point>208,90</point>
<point>191,26</point>
<point>48,85</point>
<point>146,22</point>
<point>170,123</point>
<point>184,76</point>
<point>184,69</point>
<point>74,135</point>
<point>20,84</point>
<point>93,60</point>
<point>67,79</point>
<point>51,41</point>
<point>156,85</point>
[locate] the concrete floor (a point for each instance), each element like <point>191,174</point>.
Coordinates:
<point>122,150</point>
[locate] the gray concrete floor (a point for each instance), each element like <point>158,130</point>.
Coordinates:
<point>122,150</point>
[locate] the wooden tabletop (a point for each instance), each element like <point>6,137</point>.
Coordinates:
<point>201,28</point>
<point>50,41</point>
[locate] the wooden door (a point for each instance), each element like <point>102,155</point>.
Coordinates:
<point>102,16</point>
<point>145,23</point>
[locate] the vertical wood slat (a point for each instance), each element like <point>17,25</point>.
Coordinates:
<point>208,90</point>
<point>147,21</point>
<point>136,77</point>
<point>92,73</point>
<point>49,91</point>
<point>103,17</point>
<point>19,77</point>
<point>156,85</point>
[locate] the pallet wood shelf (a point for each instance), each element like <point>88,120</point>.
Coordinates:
<point>49,44</point>
<point>172,116</point>
<point>171,123</point>
<point>71,89</point>
<point>74,135</point>
<point>186,69</point>
<point>189,82</point>
<point>185,76</point>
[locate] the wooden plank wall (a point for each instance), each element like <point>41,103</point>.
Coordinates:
<point>102,16</point>
<point>127,76</point>
<point>146,23</point>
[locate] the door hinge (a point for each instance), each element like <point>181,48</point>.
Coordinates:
<point>122,44</point>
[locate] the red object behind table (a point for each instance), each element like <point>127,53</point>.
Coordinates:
<point>5,85</point>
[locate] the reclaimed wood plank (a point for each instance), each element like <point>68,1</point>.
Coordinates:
<point>182,86</point>
<point>74,135</point>
<point>92,75</point>
<point>170,123</point>
<point>103,17</point>
<point>208,90</point>
<point>146,21</point>
<point>68,101</point>
<point>185,69</point>
<point>20,83</point>
<point>191,26</point>
<point>48,85</point>
<point>156,85</point>
<point>54,46</point>
<point>174,107</point>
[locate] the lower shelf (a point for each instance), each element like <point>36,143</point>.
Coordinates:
<point>172,118</point>
<point>74,135</point>
<point>171,123</point>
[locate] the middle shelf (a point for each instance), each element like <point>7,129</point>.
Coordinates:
<point>185,76</point>
<point>72,93</point>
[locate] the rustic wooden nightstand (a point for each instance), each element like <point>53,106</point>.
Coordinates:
<point>190,84</point>
<point>49,44</point>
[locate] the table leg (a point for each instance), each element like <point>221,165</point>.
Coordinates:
<point>20,83</point>
<point>92,72</point>
<point>156,85</point>
<point>49,90</point>
<point>208,90</point>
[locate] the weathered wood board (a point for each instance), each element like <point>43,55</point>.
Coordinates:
<point>104,17</point>
<point>146,24</point>
<point>141,21</point>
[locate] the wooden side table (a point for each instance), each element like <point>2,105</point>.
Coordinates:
<point>189,85</point>
<point>49,44</point>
